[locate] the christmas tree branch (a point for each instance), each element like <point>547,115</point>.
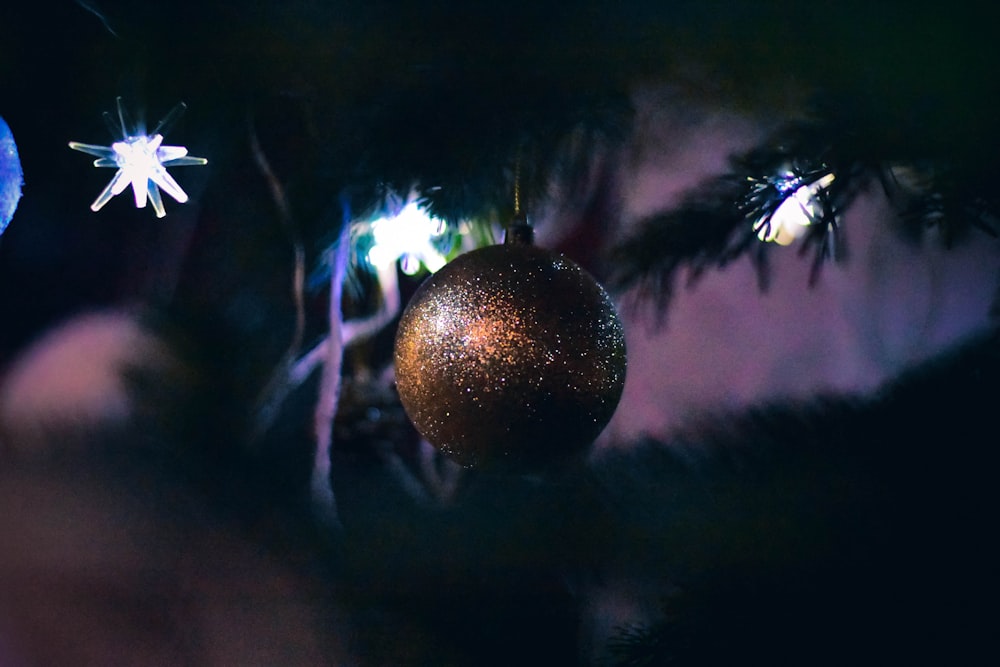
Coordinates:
<point>277,388</point>
<point>326,405</point>
<point>354,331</point>
<point>440,475</point>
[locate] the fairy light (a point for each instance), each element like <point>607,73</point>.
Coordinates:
<point>407,237</point>
<point>141,160</point>
<point>11,176</point>
<point>795,213</point>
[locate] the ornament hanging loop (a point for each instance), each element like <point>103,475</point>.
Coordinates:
<point>519,230</point>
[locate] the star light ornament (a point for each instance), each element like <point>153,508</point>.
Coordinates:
<point>141,160</point>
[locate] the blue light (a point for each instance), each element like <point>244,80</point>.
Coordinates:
<point>11,176</point>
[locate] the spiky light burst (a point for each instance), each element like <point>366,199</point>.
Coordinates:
<point>407,237</point>
<point>141,160</point>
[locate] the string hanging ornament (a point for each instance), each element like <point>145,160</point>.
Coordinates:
<point>510,356</point>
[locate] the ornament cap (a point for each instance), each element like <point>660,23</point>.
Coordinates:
<point>519,231</point>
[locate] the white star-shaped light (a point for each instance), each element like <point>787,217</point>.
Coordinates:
<point>142,161</point>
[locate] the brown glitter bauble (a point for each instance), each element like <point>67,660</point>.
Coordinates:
<point>510,356</point>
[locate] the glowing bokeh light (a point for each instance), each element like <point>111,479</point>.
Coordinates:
<point>11,176</point>
<point>407,237</point>
<point>798,211</point>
